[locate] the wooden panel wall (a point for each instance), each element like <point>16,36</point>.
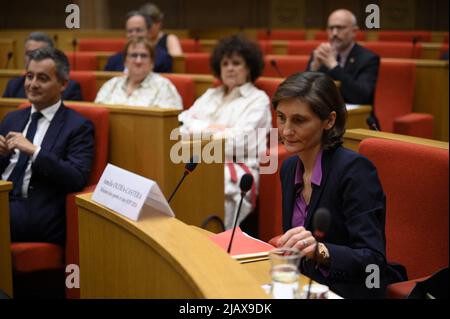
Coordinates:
<point>194,14</point>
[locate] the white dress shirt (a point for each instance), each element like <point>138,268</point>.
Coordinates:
<point>154,90</point>
<point>42,126</point>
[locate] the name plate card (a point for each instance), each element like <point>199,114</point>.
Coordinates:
<point>129,194</point>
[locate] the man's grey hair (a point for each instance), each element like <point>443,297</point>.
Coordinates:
<point>60,59</point>
<point>40,37</point>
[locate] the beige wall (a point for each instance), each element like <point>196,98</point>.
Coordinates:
<point>200,14</point>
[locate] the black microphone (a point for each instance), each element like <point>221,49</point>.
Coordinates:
<point>188,168</point>
<point>274,64</point>
<point>372,124</point>
<point>8,58</point>
<point>321,223</point>
<point>74,49</point>
<point>245,185</point>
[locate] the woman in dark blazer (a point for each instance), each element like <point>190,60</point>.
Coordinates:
<point>351,258</point>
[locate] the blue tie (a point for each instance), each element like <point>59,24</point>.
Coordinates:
<point>19,170</point>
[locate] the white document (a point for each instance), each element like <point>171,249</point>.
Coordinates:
<point>127,193</point>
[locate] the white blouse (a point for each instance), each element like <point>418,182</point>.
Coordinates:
<point>155,90</point>
<point>242,111</point>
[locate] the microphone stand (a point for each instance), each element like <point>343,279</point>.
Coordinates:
<point>235,221</point>
<point>178,185</point>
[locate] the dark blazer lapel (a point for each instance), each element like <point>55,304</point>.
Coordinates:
<point>289,199</point>
<point>318,190</point>
<point>19,126</point>
<point>54,128</point>
<point>352,59</point>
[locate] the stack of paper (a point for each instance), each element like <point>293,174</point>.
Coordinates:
<point>245,248</point>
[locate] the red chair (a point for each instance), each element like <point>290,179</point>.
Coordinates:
<point>265,46</point>
<point>400,50</point>
<point>281,34</point>
<point>185,86</point>
<point>322,35</point>
<point>190,45</point>
<point>87,82</point>
<point>82,61</point>
<point>409,36</point>
<point>284,65</point>
<point>270,212</point>
<point>269,85</point>
<point>197,63</point>
<point>393,102</point>
<point>415,180</point>
<point>44,263</point>
<point>302,47</point>
<point>113,45</point>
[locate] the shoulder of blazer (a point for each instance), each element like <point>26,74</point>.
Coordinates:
<point>288,163</point>
<point>363,53</point>
<point>342,159</point>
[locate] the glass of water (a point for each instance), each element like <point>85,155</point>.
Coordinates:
<point>284,273</point>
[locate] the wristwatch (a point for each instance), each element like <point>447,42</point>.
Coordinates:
<point>324,254</point>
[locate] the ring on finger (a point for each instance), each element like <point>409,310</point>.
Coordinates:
<point>305,242</point>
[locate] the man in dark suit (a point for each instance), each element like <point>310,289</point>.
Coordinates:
<point>46,150</point>
<point>15,87</point>
<point>139,25</point>
<point>355,67</point>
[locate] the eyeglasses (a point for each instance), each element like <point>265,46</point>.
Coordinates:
<point>143,56</point>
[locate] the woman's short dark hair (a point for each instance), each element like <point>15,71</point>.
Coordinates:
<point>320,92</point>
<point>60,59</point>
<point>239,45</point>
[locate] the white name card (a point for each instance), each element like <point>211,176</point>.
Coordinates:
<point>127,193</point>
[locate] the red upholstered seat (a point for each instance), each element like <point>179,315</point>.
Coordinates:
<point>287,65</point>
<point>322,35</point>
<point>402,289</point>
<point>401,50</point>
<point>269,85</point>
<point>197,63</point>
<point>265,46</point>
<point>101,44</point>
<point>185,86</point>
<point>394,96</point>
<point>82,61</point>
<point>35,257</point>
<point>281,34</point>
<point>87,82</point>
<point>190,45</point>
<point>270,213</point>
<point>410,36</point>
<point>29,257</point>
<point>415,180</point>
<point>302,47</point>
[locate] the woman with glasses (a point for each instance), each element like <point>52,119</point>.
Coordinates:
<point>141,86</point>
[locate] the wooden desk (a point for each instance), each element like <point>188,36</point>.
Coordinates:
<point>8,46</point>
<point>5,240</point>
<point>353,137</point>
<point>155,257</point>
<point>139,142</point>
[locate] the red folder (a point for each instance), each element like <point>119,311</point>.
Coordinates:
<point>244,246</point>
